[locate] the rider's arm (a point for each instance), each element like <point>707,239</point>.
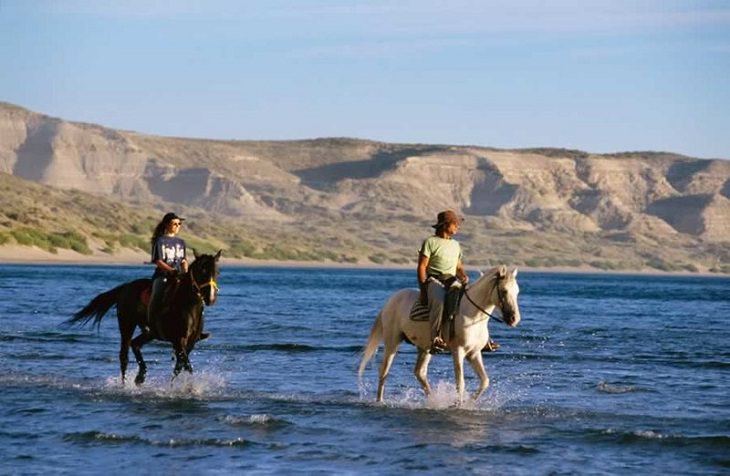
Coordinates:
<point>164,266</point>
<point>421,270</point>
<point>463,277</point>
<point>422,277</point>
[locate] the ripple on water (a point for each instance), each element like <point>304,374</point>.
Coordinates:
<point>90,438</point>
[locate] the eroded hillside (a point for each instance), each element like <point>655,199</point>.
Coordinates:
<point>369,201</point>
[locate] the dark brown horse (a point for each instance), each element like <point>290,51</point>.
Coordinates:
<point>180,324</point>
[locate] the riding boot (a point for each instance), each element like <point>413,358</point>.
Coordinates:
<point>490,346</point>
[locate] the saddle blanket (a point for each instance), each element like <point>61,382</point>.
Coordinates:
<point>146,295</point>
<point>419,312</point>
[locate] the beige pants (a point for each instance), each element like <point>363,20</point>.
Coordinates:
<point>436,295</point>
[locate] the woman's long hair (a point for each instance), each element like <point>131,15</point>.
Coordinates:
<point>160,229</point>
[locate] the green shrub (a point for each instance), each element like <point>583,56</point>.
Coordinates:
<point>605,265</point>
<point>400,260</point>
<point>71,240</point>
<point>128,240</point>
<point>32,237</point>
<point>378,258</point>
<point>541,262</point>
<point>239,248</point>
<point>200,246</point>
<point>691,268</point>
<point>661,265</point>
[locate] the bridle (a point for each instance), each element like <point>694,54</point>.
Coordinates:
<point>500,298</point>
<point>199,287</point>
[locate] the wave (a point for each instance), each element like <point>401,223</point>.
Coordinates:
<point>289,347</point>
<point>680,440</point>
<point>616,389</point>
<point>255,420</point>
<point>46,337</point>
<point>103,438</point>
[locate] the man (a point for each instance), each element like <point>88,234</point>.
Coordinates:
<point>439,261</point>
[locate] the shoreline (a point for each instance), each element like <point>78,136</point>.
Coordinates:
<point>22,255</point>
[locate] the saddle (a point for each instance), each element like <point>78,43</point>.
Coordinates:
<point>146,295</point>
<point>419,312</point>
<point>162,308</point>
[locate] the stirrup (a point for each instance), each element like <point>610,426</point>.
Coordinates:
<point>490,346</point>
<point>438,345</point>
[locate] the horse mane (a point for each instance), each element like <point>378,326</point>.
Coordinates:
<point>491,273</point>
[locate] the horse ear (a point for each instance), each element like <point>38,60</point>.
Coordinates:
<point>514,273</point>
<point>195,253</point>
<point>218,255</point>
<point>502,271</point>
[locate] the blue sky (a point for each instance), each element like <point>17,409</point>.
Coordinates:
<point>601,76</point>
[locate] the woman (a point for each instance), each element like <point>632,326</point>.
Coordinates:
<point>168,256</point>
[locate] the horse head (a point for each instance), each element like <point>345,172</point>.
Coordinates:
<point>204,273</point>
<point>507,290</point>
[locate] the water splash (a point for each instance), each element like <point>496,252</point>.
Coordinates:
<point>256,420</point>
<point>199,385</point>
<point>444,397</point>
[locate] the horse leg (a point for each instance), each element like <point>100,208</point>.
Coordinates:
<point>137,344</point>
<point>458,356</point>
<point>182,362</point>
<point>125,333</point>
<point>421,370</point>
<point>475,359</point>
<point>388,356</point>
<point>126,341</point>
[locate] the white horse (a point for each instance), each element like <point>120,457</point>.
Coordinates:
<point>496,288</point>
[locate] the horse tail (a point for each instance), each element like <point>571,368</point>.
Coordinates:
<point>97,308</point>
<point>371,347</point>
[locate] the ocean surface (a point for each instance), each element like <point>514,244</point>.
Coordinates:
<point>606,374</point>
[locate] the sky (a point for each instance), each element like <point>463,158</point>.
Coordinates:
<point>601,76</point>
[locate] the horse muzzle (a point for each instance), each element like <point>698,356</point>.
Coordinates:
<point>511,318</point>
<point>209,292</point>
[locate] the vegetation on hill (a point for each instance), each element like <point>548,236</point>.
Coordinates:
<point>52,219</point>
<point>99,191</point>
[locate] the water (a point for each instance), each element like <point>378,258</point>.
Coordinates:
<point>606,374</point>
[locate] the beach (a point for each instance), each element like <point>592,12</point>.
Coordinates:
<point>14,254</point>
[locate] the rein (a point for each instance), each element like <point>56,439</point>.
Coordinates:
<point>210,283</point>
<point>484,311</point>
<point>198,287</point>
